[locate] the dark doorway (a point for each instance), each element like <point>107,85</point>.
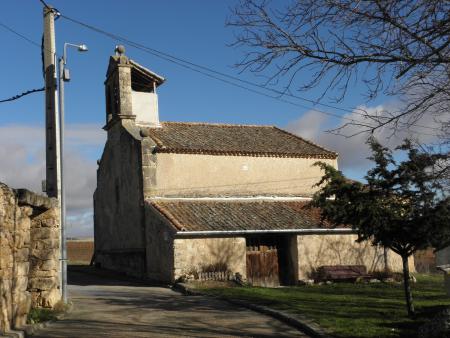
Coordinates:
<point>269,261</point>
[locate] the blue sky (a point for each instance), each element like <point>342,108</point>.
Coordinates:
<point>192,30</point>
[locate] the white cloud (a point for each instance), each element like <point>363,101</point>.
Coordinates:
<point>353,151</point>
<point>80,224</point>
<point>22,152</point>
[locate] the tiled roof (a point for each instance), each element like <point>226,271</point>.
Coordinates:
<point>238,215</point>
<point>193,138</point>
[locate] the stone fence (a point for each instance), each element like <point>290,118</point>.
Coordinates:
<point>29,255</point>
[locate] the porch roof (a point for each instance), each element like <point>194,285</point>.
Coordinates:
<point>241,215</point>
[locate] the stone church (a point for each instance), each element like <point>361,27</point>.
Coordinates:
<point>177,198</point>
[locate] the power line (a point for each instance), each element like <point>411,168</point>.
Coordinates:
<point>50,8</point>
<point>23,37</point>
<point>158,53</point>
<point>20,35</point>
<point>45,5</point>
<point>189,65</point>
<point>192,66</point>
<point>31,91</point>
<point>23,94</point>
<point>203,70</point>
<point>155,51</point>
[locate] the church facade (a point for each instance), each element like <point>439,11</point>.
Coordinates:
<point>176,199</point>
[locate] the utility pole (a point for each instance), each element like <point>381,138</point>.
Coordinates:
<point>52,122</point>
<point>53,161</point>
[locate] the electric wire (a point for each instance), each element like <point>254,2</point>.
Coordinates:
<point>23,37</point>
<point>203,70</point>
<point>20,35</point>
<point>183,63</point>
<point>45,5</point>
<point>191,66</point>
<point>31,91</point>
<point>149,49</point>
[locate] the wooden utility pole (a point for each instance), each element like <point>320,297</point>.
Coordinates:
<point>53,161</point>
<point>52,121</point>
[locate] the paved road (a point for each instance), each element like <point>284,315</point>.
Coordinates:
<point>105,306</point>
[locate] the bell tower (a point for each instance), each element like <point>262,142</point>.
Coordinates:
<point>130,91</point>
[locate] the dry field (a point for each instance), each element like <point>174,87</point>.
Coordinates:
<point>80,251</point>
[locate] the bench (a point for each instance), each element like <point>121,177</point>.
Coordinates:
<point>336,273</point>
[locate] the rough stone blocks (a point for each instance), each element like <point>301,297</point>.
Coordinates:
<point>29,255</point>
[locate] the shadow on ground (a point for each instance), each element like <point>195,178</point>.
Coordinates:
<point>111,305</point>
<point>83,275</point>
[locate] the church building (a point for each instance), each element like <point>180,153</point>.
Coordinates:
<point>176,199</point>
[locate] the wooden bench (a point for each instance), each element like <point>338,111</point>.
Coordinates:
<point>335,273</point>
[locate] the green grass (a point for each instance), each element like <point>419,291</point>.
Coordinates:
<point>40,315</point>
<point>350,310</point>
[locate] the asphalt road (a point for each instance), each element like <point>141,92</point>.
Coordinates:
<point>105,305</point>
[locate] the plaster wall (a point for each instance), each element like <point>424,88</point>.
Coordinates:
<point>199,254</point>
<point>210,175</point>
<point>145,107</point>
<point>317,250</point>
<point>118,203</point>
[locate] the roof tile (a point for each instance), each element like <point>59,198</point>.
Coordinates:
<point>179,137</point>
<point>192,215</point>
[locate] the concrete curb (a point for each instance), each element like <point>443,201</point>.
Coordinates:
<point>299,322</point>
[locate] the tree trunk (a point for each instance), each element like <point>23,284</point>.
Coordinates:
<point>386,264</point>
<point>406,284</point>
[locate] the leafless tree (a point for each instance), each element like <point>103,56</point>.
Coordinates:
<point>398,48</point>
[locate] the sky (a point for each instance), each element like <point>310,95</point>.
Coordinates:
<point>192,30</point>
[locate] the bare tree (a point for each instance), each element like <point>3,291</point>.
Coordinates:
<point>396,48</point>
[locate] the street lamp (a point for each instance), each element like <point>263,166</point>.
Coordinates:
<point>64,76</point>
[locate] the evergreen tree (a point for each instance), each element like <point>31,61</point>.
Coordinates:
<point>404,205</point>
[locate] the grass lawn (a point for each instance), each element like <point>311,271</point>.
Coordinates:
<point>350,310</point>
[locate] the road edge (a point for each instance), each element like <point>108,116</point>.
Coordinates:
<point>301,323</point>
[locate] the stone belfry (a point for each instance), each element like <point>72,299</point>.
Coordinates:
<point>130,91</point>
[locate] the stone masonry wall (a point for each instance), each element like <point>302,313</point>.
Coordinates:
<point>29,255</point>
<point>119,228</point>
<point>198,254</point>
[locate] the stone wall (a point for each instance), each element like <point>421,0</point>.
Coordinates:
<point>203,254</point>
<point>29,255</point>
<point>159,251</point>
<point>318,250</point>
<point>119,228</point>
